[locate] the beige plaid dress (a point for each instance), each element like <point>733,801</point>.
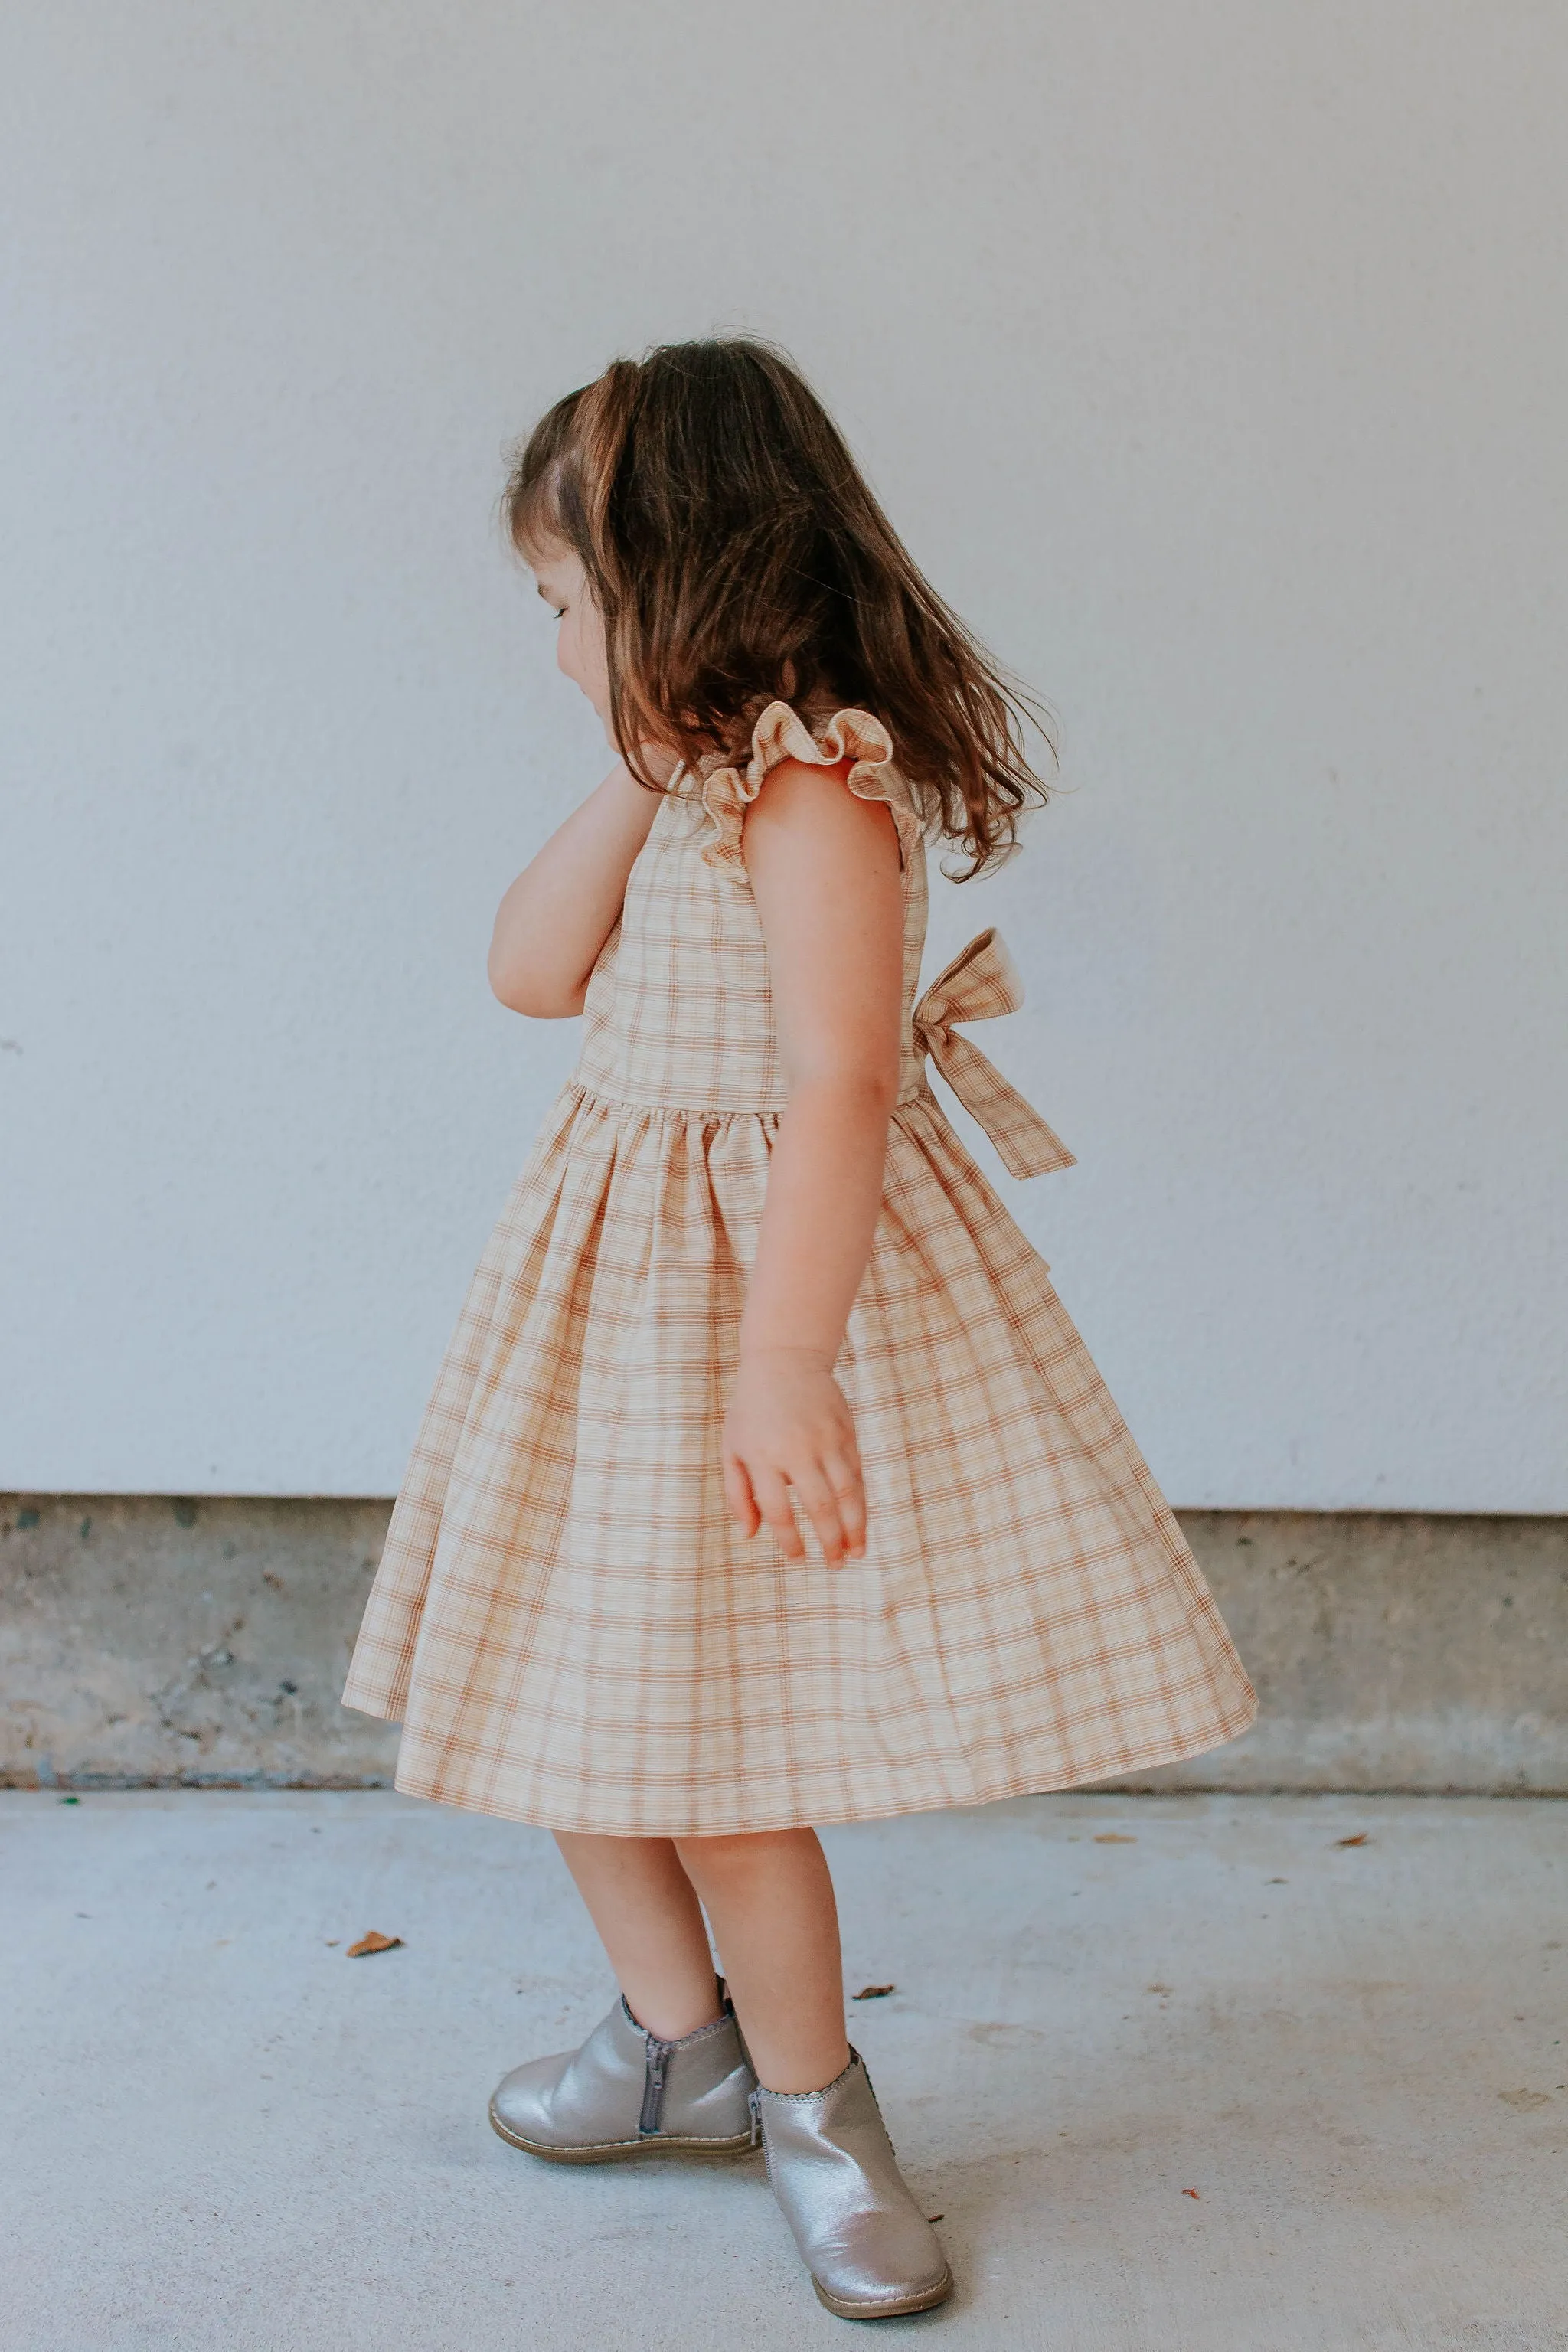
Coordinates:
<point>568,1623</point>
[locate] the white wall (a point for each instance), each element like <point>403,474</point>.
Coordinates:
<point>1212,356</point>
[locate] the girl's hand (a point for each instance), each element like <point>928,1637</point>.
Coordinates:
<point>557,915</point>
<point>789,1429</point>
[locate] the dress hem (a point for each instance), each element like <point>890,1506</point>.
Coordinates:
<point>1146,1758</point>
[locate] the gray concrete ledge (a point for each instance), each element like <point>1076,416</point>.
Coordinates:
<point>1398,1651</point>
<point>150,1641</point>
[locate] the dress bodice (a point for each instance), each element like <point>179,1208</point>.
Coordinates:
<point>678,1012</point>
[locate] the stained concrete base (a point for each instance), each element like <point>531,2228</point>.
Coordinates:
<point>144,1638</point>
<point>217,2134</point>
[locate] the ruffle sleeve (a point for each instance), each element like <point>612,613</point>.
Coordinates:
<point>783,734</point>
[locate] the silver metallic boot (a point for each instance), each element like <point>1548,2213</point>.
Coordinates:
<point>870,2251</point>
<point>627,2093</point>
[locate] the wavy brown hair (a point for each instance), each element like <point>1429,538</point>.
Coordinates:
<point>737,555</point>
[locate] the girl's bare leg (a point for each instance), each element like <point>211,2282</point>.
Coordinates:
<point>651,1924</point>
<point>770,1898</point>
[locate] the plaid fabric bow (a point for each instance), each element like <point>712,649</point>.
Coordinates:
<point>979,983</point>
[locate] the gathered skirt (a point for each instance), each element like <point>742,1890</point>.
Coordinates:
<point>575,1632</point>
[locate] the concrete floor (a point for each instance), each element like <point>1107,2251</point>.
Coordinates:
<point>216,2132</point>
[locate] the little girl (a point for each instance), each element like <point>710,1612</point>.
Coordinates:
<point>766,1482</point>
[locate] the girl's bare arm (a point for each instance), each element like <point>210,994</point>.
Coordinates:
<point>823,868</point>
<point>562,907</point>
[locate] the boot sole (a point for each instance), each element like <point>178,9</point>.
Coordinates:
<point>627,2151</point>
<point>896,2307</point>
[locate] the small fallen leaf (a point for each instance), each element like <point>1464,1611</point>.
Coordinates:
<point>1189,2192</point>
<point>371,1943</point>
<point>1113,1837</point>
<point>1362,1837</point>
<point>1156,1987</point>
<point>1279,1881</point>
<point>874,1992</point>
<point>936,2217</point>
<point>1525,2099</point>
<point>333,1943</point>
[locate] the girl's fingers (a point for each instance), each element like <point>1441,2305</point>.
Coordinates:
<point>831,1493</point>
<point>738,1496</point>
<point>821,1505</point>
<point>850,1489</point>
<point>773,1500</point>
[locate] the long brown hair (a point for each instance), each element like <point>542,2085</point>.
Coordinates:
<point>737,555</point>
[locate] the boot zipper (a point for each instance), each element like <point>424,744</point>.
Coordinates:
<point>653,2086</point>
<point>754,2102</point>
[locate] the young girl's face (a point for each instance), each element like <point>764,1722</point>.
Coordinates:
<point>580,646</point>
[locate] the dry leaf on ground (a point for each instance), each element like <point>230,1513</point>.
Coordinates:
<point>373,1943</point>
<point>1113,1837</point>
<point>1525,2098</point>
<point>1362,1837</point>
<point>875,1992</point>
<point>1189,2192</point>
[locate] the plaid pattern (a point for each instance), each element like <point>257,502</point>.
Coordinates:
<point>568,1623</point>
